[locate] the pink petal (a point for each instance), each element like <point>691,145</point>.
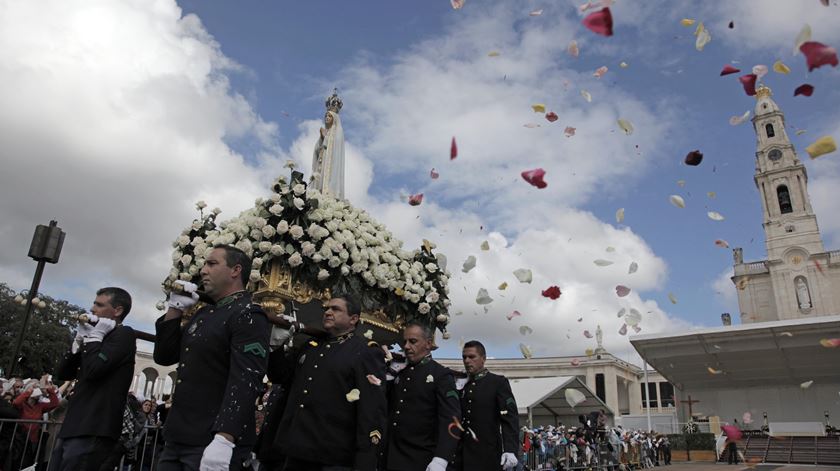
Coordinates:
<point>551,116</point>
<point>552,292</point>
<point>804,89</point>
<point>818,55</point>
<point>728,69</point>
<point>623,330</point>
<point>570,131</point>
<point>587,334</point>
<point>748,81</point>
<point>600,22</point>
<point>434,174</point>
<point>622,291</point>
<point>535,177</point>
<point>600,72</point>
<point>415,200</point>
<point>513,314</point>
<point>453,150</point>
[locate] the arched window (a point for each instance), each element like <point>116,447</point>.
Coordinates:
<point>769,129</point>
<point>784,199</point>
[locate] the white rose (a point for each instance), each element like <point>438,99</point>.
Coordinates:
<point>276,209</point>
<point>415,298</point>
<point>256,263</point>
<point>431,267</point>
<point>295,259</point>
<point>186,259</point>
<point>185,276</point>
<point>275,198</point>
<point>183,241</point>
<point>282,227</point>
<point>264,246</point>
<point>159,306</point>
<point>432,297</point>
<point>256,234</point>
<point>176,255</point>
<point>317,258</point>
<point>323,274</point>
<point>259,223</point>
<point>307,248</point>
<point>424,308</point>
<point>334,262</point>
<point>296,232</point>
<point>201,205</point>
<point>197,240</point>
<point>299,189</point>
<point>298,203</point>
<point>255,276</point>
<point>268,231</point>
<point>345,270</point>
<point>193,270</point>
<point>276,250</point>
<point>196,225</point>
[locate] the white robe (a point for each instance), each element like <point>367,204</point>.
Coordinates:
<point>328,167</point>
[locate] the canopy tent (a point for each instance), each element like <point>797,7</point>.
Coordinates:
<point>542,401</point>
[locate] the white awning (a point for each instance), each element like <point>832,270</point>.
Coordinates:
<point>546,397</point>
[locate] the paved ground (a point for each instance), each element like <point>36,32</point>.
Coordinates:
<point>708,466</point>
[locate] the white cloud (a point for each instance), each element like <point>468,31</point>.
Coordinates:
<point>725,292</point>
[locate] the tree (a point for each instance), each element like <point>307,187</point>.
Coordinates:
<point>47,336</point>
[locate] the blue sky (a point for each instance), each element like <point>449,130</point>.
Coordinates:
<point>228,92</point>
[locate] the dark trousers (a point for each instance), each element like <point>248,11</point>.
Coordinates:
<point>733,453</point>
<point>82,453</point>
<point>176,457</point>
<point>293,464</point>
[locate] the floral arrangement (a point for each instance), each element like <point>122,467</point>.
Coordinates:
<point>325,243</point>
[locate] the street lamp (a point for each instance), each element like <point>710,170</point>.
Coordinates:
<point>45,248</point>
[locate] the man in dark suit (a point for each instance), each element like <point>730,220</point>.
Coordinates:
<point>335,408</point>
<point>423,403</point>
<point>101,358</point>
<point>490,416</point>
<point>222,353</point>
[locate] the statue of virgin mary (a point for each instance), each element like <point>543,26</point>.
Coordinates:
<point>328,156</point>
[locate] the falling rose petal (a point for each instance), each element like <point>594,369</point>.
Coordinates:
<point>573,49</point>
<point>551,116</point>
<point>600,71</point>
<point>748,81</point>
<point>728,69</point>
<point>804,89</point>
<point>625,126</point>
<point>587,334</point>
<point>453,150</point>
<point>780,67</point>
<point>600,22</point>
<point>681,183</point>
<point>711,194</point>
<point>415,200</point>
<point>715,216</point>
<point>535,13</point>
<point>633,318</point>
<point>623,330</point>
<point>830,343</point>
<point>494,54</point>
<point>589,352</point>
<point>677,201</point>
<point>469,264</point>
<point>538,108</point>
<point>731,25</point>
<point>524,275</point>
<point>703,38</point>
<point>633,267</point>
<point>353,395</point>
<point>806,384</point>
<point>610,249</point>
<point>694,158</point>
<point>747,418</point>
<point>714,371</point>
<point>513,314</point>
<point>586,96</point>
<point>821,146</point>
<point>580,319</point>
<point>622,291</point>
<point>603,263</point>
<point>526,350</point>
<point>552,292</point>
<point>574,397</point>
<point>722,243</point>
<point>485,245</point>
<point>786,334</point>
<point>430,379</point>
<point>801,38</point>
<point>531,125</point>
<point>482,297</point>
<point>759,71</point>
<point>619,215</point>
<point>372,379</point>
<point>525,330</point>
<point>818,55</point>
<point>687,22</point>
<point>736,120</point>
<point>457,4</point>
<point>569,131</point>
<point>434,174</point>
<point>575,362</point>
<point>672,298</point>
<point>624,65</point>
<point>535,177</point>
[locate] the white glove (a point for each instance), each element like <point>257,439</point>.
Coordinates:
<point>84,330</point>
<point>184,301</point>
<point>99,330</point>
<point>509,461</point>
<point>217,455</point>
<point>279,337</point>
<point>437,464</point>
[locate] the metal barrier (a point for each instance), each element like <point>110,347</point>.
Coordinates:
<point>593,456</point>
<point>32,445</point>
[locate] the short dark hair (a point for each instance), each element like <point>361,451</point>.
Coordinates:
<point>234,257</point>
<point>119,298</point>
<point>353,306</point>
<point>428,332</point>
<point>476,345</point>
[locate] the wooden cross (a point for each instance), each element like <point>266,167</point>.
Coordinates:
<point>690,403</point>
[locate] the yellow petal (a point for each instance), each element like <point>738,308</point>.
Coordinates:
<point>538,108</point>
<point>623,65</point>
<point>714,371</point>
<point>781,68</point>
<point>503,286</point>
<point>686,22</point>
<point>353,395</point>
<point>625,126</point>
<point>619,215</point>
<point>821,146</point>
<point>711,194</point>
<point>494,54</point>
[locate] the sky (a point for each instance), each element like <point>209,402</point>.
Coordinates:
<point>116,117</point>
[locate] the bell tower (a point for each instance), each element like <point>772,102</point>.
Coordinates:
<point>782,181</point>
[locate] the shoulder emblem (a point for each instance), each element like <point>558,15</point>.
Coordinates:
<point>255,348</point>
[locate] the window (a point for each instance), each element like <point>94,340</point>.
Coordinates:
<point>769,129</point>
<point>667,390</point>
<point>784,199</point>
<point>653,396</point>
<point>600,387</point>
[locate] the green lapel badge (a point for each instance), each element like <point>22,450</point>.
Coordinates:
<point>256,348</point>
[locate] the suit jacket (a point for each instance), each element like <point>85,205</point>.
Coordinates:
<point>489,410</point>
<point>423,402</point>
<point>222,355</point>
<point>319,422</point>
<point>104,371</point>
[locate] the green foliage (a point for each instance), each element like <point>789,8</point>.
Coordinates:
<point>698,441</point>
<point>47,336</point>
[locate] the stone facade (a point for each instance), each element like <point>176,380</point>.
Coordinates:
<point>799,278</point>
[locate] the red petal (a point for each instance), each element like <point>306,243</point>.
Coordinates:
<point>453,151</point>
<point>694,158</point>
<point>552,292</point>
<point>551,116</point>
<point>622,291</point>
<point>535,177</point>
<point>748,81</point>
<point>804,89</point>
<point>818,54</point>
<point>728,69</point>
<point>600,22</point>
<point>415,200</point>
<point>434,174</point>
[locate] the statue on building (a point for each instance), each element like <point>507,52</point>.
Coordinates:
<point>738,255</point>
<point>599,338</point>
<point>328,156</point>
<point>803,296</point>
